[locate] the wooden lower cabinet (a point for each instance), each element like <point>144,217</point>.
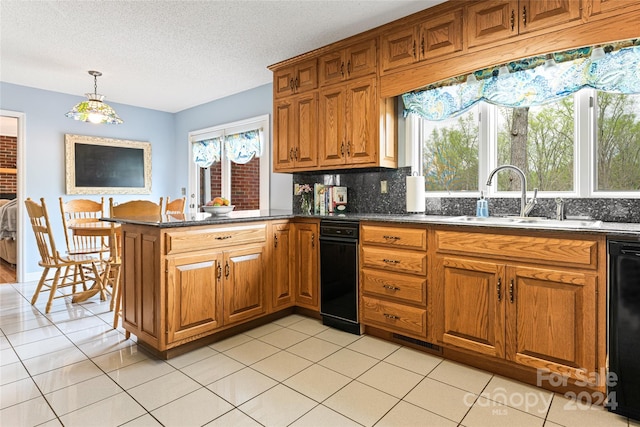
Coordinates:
<point>244,283</point>
<point>543,317</point>
<point>307,263</point>
<point>393,279</point>
<point>194,298</point>
<point>282,269</point>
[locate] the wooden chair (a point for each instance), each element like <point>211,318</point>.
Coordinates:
<point>83,211</point>
<point>135,208</point>
<point>174,207</point>
<point>111,275</point>
<point>68,271</point>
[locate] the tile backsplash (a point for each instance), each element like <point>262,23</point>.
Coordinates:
<point>365,197</point>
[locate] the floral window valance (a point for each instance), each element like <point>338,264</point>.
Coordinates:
<point>239,147</point>
<point>533,81</point>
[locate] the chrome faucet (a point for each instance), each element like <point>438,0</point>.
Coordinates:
<point>525,207</point>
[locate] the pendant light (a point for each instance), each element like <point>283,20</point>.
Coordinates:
<point>94,110</point>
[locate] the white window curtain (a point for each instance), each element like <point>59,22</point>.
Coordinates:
<point>532,81</point>
<point>240,147</point>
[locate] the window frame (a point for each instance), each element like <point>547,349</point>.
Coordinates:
<point>585,158</point>
<point>258,122</point>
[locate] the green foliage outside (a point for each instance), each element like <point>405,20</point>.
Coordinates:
<point>450,149</point>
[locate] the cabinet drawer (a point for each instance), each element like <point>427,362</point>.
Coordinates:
<point>394,316</point>
<point>393,260</point>
<point>212,238</point>
<point>526,248</point>
<point>393,285</point>
<point>408,238</point>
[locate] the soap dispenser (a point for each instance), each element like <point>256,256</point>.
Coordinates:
<point>482,207</point>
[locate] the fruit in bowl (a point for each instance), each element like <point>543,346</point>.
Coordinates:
<point>218,206</point>
<point>218,201</point>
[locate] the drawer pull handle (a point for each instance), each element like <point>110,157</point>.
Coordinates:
<point>391,237</point>
<point>391,261</point>
<point>223,237</point>
<point>391,287</point>
<point>390,316</point>
<point>511,297</point>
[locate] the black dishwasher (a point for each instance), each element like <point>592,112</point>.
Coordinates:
<point>339,275</point>
<point>624,328</point>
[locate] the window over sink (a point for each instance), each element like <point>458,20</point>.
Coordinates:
<point>585,143</point>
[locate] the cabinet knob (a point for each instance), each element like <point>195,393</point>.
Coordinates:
<point>391,287</point>
<point>342,149</point>
<point>391,261</point>
<point>349,67</point>
<point>524,15</point>
<point>348,148</point>
<point>513,19</point>
<point>499,289</point>
<point>390,316</point>
<point>275,240</point>
<point>342,69</point>
<point>422,46</point>
<point>226,269</point>
<point>414,49</point>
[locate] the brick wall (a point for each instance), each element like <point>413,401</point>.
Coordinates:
<point>8,159</point>
<point>245,184</point>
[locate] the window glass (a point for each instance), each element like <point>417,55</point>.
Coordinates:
<point>449,153</point>
<point>540,141</point>
<point>617,142</point>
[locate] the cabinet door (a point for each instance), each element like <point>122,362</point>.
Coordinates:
<point>194,298</point>
<point>551,320</point>
<point>535,14</point>
<point>361,59</point>
<point>399,48</point>
<point>244,283</point>
<point>306,141</point>
<point>307,265</point>
<point>283,135</point>
<point>603,6</point>
<point>362,135</point>
<point>306,76</point>
<point>332,67</point>
<point>283,277</point>
<point>283,81</point>
<point>332,126</point>
<point>491,21</point>
<point>441,35</point>
<point>471,297</point>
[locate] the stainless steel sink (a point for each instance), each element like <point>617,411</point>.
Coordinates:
<point>538,222</point>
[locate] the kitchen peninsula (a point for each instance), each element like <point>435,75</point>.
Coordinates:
<point>191,279</point>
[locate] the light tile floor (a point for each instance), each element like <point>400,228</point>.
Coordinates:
<point>71,368</point>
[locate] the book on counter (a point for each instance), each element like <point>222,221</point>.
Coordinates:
<point>328,199</point>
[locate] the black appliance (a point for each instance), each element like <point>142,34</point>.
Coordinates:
<point>339,275</point>
<point>624,328</point>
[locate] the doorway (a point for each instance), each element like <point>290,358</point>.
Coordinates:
<point>11,227</point>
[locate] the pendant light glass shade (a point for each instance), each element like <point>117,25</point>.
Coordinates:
<point>94,110</point>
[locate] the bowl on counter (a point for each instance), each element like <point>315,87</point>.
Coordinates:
<point>218,210</point>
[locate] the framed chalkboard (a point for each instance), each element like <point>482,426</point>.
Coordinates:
<point>107,166</point>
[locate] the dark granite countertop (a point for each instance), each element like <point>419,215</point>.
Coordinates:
<point>188,219</point>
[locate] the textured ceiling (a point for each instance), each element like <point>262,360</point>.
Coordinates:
<point>172,55</point>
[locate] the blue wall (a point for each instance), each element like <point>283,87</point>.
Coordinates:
<point>46,125</point>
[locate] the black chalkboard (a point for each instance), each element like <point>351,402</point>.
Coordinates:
<point>108,166</point>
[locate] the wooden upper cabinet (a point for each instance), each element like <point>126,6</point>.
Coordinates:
<point>441,35</point>
<point>535,14</point>
<point>353,61</point>
<point>348,124</point>
<point>494,20</point>
<point>399,48</point>
<point>297,78</point>
<point>491,20</point>
<point>604,6</point>
<point>295,133</point>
